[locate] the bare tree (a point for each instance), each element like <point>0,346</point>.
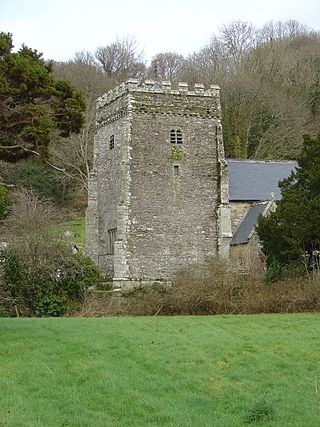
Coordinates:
<point>121,59</point>
<point>237,39</point>
<point>222,56</point>
<point>263,87</point>
<point>86,76</point>
<point>29,213</point>
<point>279,30</point>
<point>73,157</point>
<point>84,57</point>
<point>166,66</point>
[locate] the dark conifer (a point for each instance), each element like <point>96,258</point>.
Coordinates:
<point>33,104</point>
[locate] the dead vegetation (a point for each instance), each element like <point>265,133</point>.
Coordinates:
<point>210,289</point>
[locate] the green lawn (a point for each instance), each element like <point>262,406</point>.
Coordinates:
<point>77,226</point>
<point>219,371</point>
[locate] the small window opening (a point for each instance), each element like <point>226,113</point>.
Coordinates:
<point>176,170</point>
<point>175,136</point>
<point>111,142</point>
<point>179,137</point>
<point>112,233</point>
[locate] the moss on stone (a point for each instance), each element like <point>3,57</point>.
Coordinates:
<point>176,153</point>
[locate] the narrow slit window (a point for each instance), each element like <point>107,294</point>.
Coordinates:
<point>175,136</point>
<point>112,234</point>
<point>176,170</point>
<point>111,142</point>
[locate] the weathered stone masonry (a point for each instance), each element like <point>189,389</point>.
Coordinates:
<point>159,186</point>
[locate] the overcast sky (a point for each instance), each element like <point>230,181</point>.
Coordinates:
<point>59,28</point>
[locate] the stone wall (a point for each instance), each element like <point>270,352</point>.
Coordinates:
<point>247,257</point>
<point>238,211</point>
<point>174,217</point>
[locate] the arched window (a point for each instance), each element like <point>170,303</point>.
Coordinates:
<point>176,136</point>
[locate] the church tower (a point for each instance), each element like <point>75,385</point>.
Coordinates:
<point>158,192</point>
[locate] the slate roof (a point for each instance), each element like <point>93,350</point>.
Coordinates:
<point>244,229</point>
<point>255,180</point>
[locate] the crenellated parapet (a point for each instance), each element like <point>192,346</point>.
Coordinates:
<point>152,86</point>
<point>152,97</point>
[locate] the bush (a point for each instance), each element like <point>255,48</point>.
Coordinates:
<point>4,201</point>
<point>41,277</point>
<point>211,288</point>
<point>29,214</point>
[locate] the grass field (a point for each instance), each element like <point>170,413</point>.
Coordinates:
<point>219,371</point>
<point>77,226</point>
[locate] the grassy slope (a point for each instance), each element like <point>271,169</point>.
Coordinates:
<point>179,371</point>
<point>77,226</point>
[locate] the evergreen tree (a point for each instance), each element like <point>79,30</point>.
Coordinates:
<point>291,234</point>
<point>33,104</point>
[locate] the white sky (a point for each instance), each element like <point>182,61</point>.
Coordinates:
<point>59,28</point>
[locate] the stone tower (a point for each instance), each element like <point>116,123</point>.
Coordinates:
<point>158,192</point>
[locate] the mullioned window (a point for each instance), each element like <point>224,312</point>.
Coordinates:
<point>176,136</point>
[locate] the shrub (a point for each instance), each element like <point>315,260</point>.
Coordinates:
<point>211,288</point>
<point>29,214</point>
<point>43,278</point>
<point>4,201</point>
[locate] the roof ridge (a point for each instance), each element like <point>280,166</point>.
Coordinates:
<point>268,161</point>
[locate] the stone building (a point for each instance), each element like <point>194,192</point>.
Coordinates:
<point>158,192</point>
<point>161,194</point>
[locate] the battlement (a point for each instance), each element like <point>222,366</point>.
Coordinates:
<point>152,86</point>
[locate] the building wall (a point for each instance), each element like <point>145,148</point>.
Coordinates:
<point>248,256</point>
<point>174,217</point>
<point>238,211</point>
<point>106,182</point>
